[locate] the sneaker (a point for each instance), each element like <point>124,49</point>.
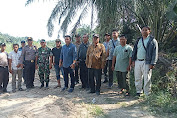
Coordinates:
<point>64,88</point>
<point>13,91</point>
<point>71,90</point>
<point>138,94</point>
<point>20,89</point>
<point>91,92</point>
<point>110,86</point>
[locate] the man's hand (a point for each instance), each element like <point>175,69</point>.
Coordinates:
<point>72,66</point>
<point>60,65</point>
<point>21,65</point>
<point>10,70</point>
<point>129,68</point>
<point>36,66</point>
<point>54,64</point>
<point>50,66</point>
<point>112,68</point>
<point>18,65</point>
<point>77,63</point>
<point>151,66</point>
<point>133,64</point>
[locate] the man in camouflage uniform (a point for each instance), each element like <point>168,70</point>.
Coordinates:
<point>42,58</point>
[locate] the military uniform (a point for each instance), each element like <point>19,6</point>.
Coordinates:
<point>43,63</point>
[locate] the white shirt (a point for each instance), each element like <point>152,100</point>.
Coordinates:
<point>15,59</point>
<point>3,59</point>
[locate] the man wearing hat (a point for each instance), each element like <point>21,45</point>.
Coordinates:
<point>105,43</point>
<point>95,62</point>
<point>20,49</point>
<point>4,73</point>
<point>56,58</point>
<point>28,55</point>
<point>42,58</point>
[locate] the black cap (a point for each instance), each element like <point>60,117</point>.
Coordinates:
<point>3,44</point>
<point>77,35</point>
<point>57,40</point>
<point>42,40</point>
<point>96,35</point>
<point>107,34</point>
<point>29,38</point>
<point>23,41</point>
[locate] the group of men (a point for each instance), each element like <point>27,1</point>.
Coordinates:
<point>114,55</point>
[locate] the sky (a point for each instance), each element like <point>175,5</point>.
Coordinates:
<point>19,20</point>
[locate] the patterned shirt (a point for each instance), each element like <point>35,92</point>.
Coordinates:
<point>15,59</point>
<point>96,56</point>
<point>43,55</point>
<point>111,46</point>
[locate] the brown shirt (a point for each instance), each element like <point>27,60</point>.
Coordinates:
<point>28,53</point>
<point>96,56</point>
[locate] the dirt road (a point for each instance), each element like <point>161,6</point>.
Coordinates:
<point>52,103</point>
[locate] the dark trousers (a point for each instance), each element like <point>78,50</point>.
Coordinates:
<point>122,79</point>
<point>29,73</point>
<point>4,78</point>
<point>110,73</point>
<point>97,74</point>
<point>84,75</point>
<point>66,78</point>
<point>105,70</point>
<point>76,74</point>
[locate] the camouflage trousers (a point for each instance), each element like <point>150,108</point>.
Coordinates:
<point>44,73</point>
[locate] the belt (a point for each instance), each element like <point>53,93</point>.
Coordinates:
<point>3,66</point>
<point>141,59</point>
<point>29,61</point>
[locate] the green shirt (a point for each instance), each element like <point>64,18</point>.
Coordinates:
<point>141,52</point>
<point>43,55</point>
<point>122,57</point>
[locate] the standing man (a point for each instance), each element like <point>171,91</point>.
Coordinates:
<point>81,58</point>
<point>56,55</point>
<point>122,57</point>
<point>23,43</point>
<point>112,45</point>
<point>77,44</point>
<point>105,43</point>
<point>68,60</point>
<point>14,67</point>
<point>42,58</point>
<point>95,62</point>
<point>144,58</point>
<point>29,55</point>
<point>4,73</point>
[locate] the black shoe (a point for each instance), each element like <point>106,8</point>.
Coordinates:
<point>42,85</point>
<point>138,94</point>
<point>105,81</point>
<point>20,89</point>
<point>47,85</point>
<point>65,88</point>
<point>91,92</point>
<point>87,89</point>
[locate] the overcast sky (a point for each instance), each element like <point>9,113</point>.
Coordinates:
<point>16,19</point>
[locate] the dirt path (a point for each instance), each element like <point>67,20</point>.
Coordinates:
<point>52,103</point>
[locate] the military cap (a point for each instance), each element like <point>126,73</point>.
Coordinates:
<point>42,40</point>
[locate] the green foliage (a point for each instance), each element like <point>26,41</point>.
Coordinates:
<point>161,102</point>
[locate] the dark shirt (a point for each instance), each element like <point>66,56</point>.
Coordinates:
<point>56,53</point>
<point>68,54</point>
<point>82,52</point>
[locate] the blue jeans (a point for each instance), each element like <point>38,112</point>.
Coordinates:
<point>57,71</point>
<point>66,78</point>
